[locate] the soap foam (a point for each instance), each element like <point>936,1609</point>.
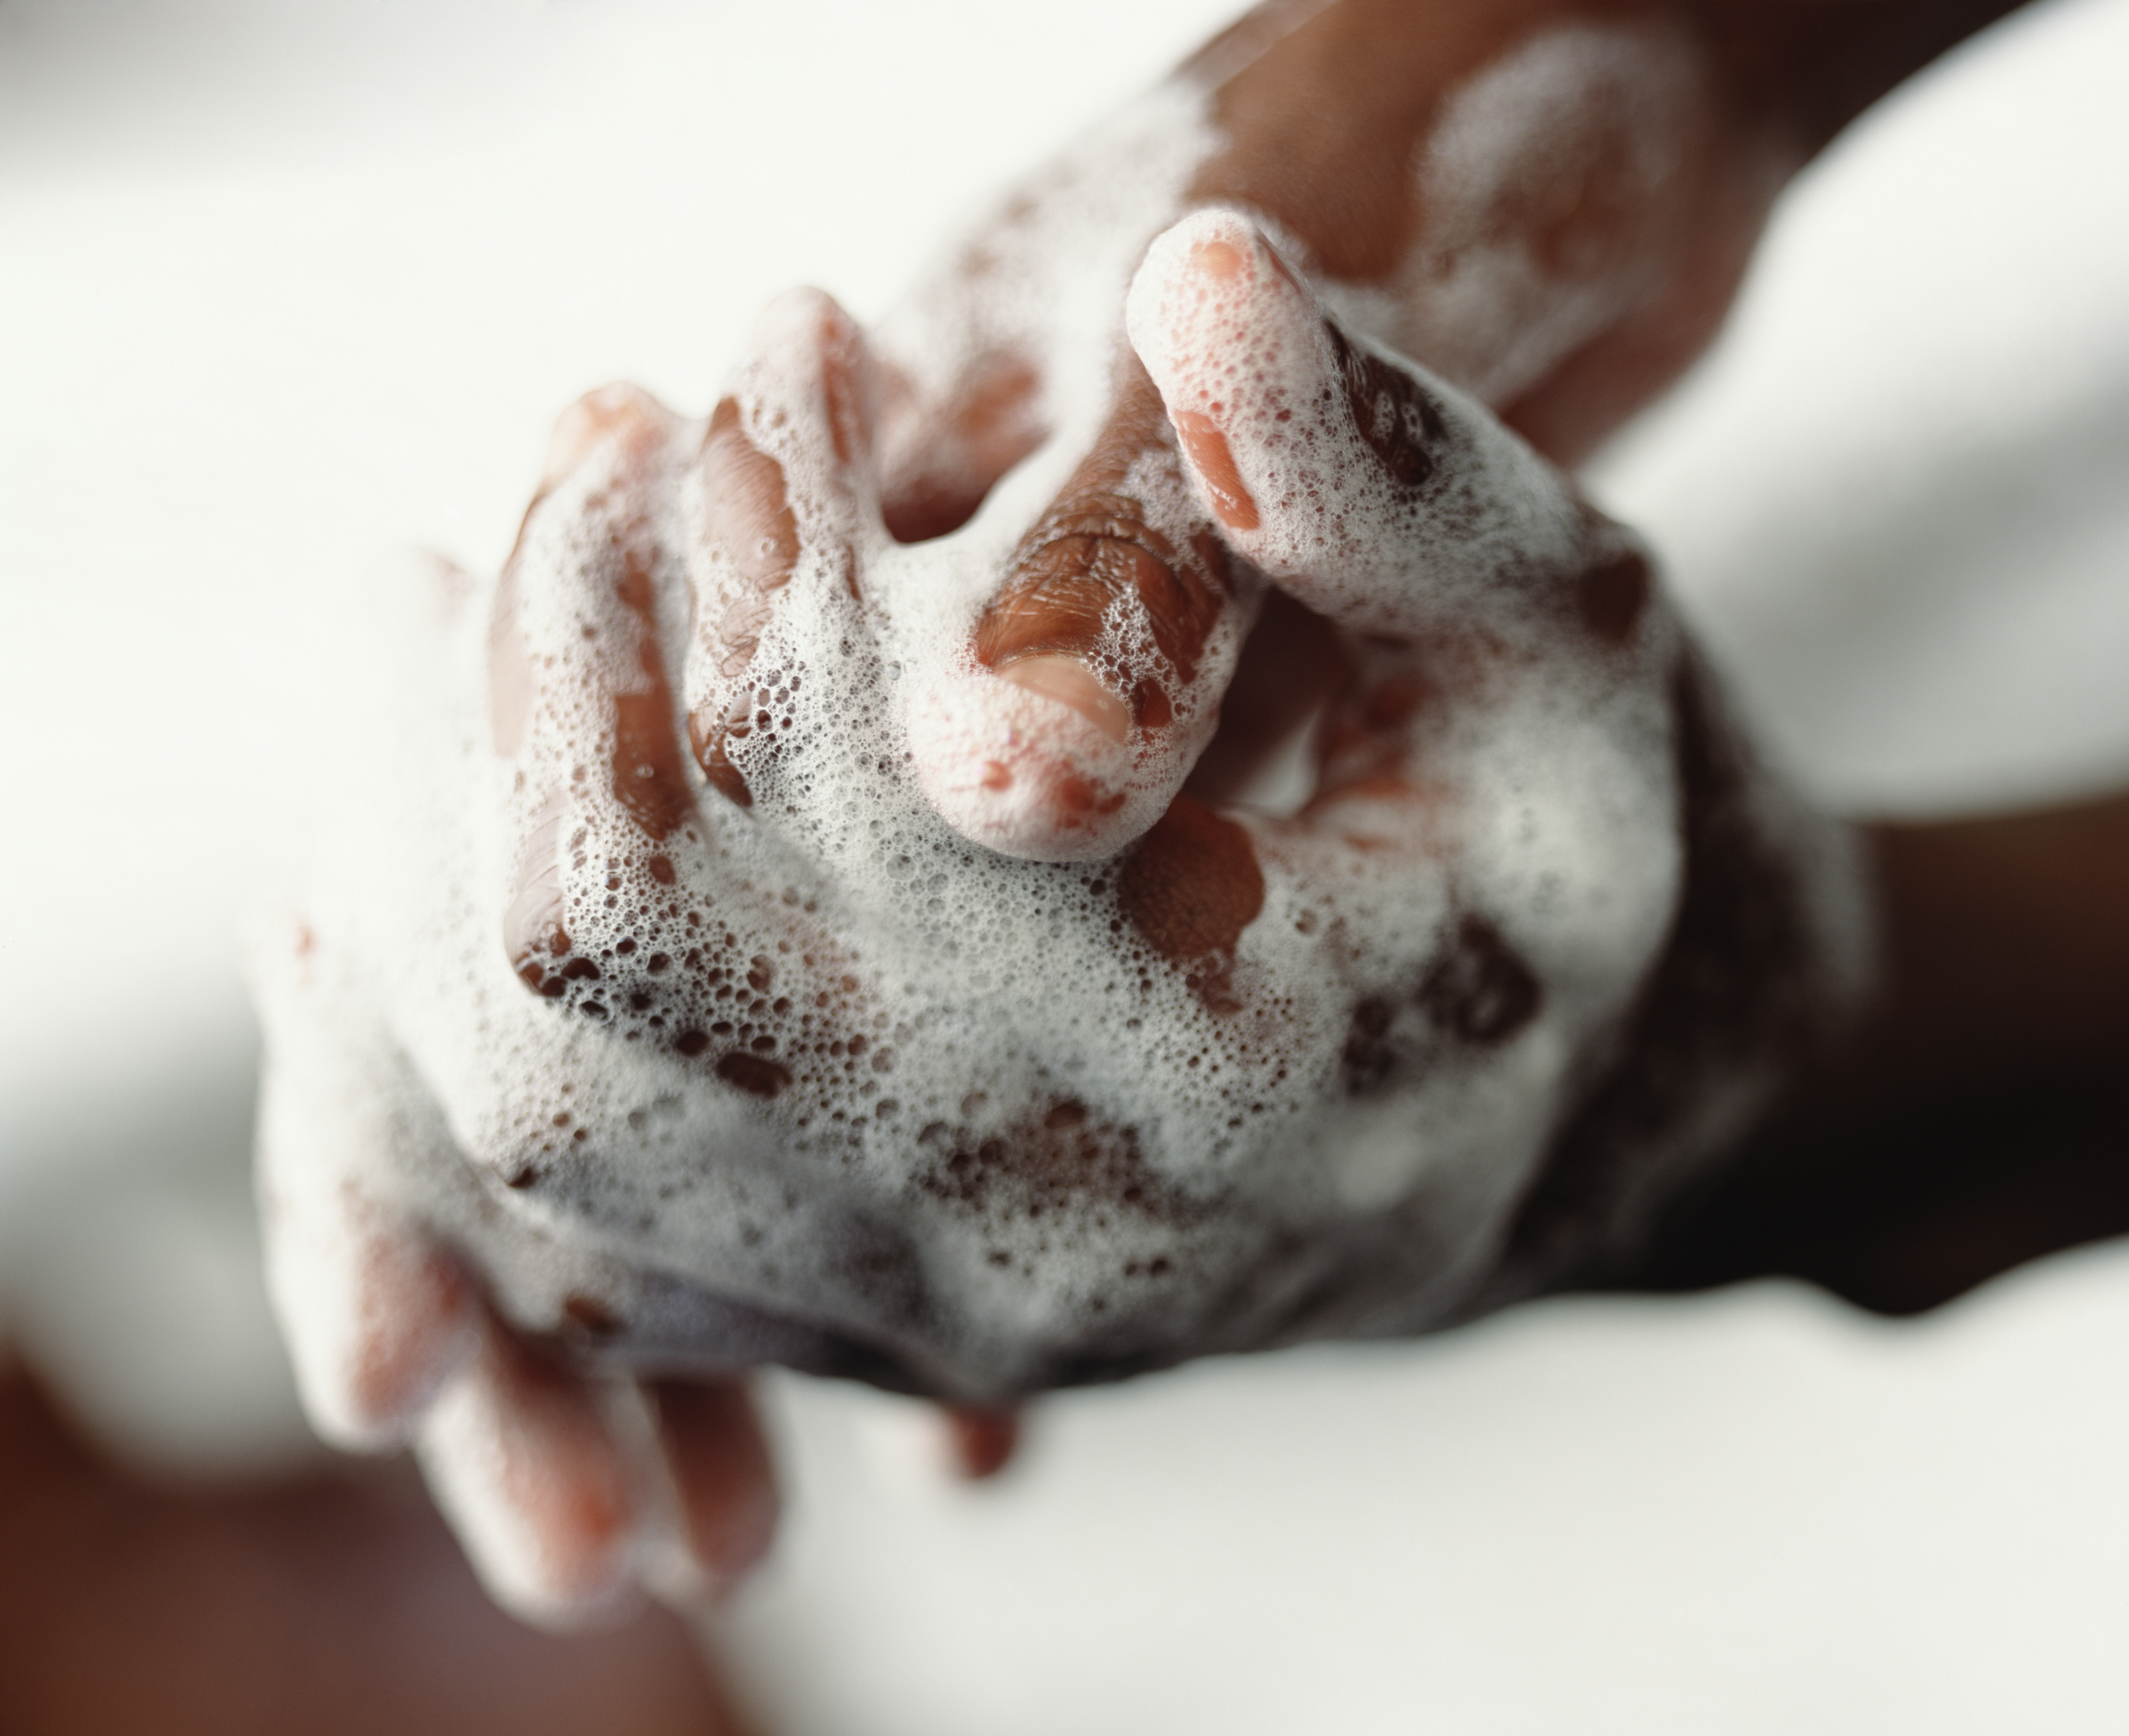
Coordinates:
<point>819,1078</point>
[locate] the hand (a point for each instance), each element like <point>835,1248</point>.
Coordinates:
<point>756,1095</point>
<point>678,1062</point>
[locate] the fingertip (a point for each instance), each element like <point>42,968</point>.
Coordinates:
<point>619,410</point>
<point>522,1460</point>
<point>807,331</point>
<point>1342,470</point>
<point>1198,279</point>
<point>781,504</point>
<point>1216,240</point>
<point>1218,258</point>
<point>981,1441</point>
<point>378,1318</point>
<point>717,1460</point>
<point>1021,771</point>
<point>1230,338</point>
<point>801,314</point>
<point>807,382</point>
<point>420,1327</point>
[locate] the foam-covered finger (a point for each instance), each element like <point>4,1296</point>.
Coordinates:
<point>526,1460</point>
<point>718,1461</point>
<point>376,1314</point>
<point>1093,676</point>
<point>580,699</point>
<point>1379,495</point>
<point>776,503</point>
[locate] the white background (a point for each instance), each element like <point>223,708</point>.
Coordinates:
<point>285,288</point>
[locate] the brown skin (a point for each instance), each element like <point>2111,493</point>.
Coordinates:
<point>1327,113</point>
<point>1325,125</point>
<point>1980,1118</point>
<point>1092,543</point>
<point>1324,113</point>
<point>2009,946</point>
<point>338,1601</point>
<point>1324,110</point>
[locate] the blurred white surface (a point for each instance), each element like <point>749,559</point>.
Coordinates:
<point>286,287</point>
<point>1896,496</point>
<point>1752,1514</point>
<point>130,1278</point>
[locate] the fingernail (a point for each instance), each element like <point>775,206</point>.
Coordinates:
<point>1070,683</point>
<point>1221,260</point>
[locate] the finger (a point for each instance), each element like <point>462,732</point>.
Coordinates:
<point>980,1444</point>
<point>775,507</point>
<point>737,538</point>
<point>580,701</point>
<point>1493,817</point>
<point>1376,494</point>
<point>718,1461</point>
<point>526,1462</point>
<point>1094,676</point>
<point>377,1316</point>
<point>1458,562</point>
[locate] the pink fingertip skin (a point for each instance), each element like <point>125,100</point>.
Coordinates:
<point>1071,684</point>
<point>619,409</point>
<point>1024,773</point>
<point>417,1326</point>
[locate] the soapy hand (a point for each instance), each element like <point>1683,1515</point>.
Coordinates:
<point>856,894</point>
<point>703,1011</point>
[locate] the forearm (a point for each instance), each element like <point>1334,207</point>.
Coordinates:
<point>1549,203</point>
<point>1596,171</point>
<point>1326,106</point>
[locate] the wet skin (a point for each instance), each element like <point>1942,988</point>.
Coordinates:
<point>1764,86</point>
